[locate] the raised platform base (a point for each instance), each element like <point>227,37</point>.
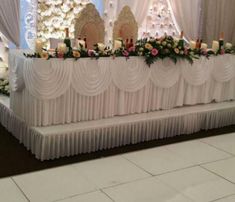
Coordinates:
<point>71,139</point>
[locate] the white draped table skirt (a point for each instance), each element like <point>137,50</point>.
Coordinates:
<point>56,91</point>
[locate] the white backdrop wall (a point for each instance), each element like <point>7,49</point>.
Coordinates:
<point>219,16</point>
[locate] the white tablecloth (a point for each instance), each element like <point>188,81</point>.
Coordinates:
<point>57,91</point>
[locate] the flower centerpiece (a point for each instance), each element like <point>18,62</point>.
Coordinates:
<point>153,49</point>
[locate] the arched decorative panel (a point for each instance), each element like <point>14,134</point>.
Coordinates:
<point>125,26</point>
<point>90,26</point>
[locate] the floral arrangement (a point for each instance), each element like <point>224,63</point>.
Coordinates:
<point>150,48</point>
<point>154,49</point>
<point>4,86</point>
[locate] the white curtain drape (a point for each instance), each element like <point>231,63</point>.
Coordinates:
<point>10,19</point>
<point>219,17</point>
<point>187,17</point>
<point>139,8</point>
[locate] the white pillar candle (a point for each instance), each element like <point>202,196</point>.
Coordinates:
<point>192,45</point>
<point>101,46</point>
<point>215,46</point>
<point>117,44</point>
<point>79,43</point>
<point>228,45</point>
<point>62,48</point>
<point>204,46</point>
<point>2,71</point>
<point>38,46</point>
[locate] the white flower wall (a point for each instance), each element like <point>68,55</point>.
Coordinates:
<point>56,15</point>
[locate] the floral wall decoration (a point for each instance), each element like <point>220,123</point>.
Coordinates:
<point>55,15</point>
<point>158,21</point>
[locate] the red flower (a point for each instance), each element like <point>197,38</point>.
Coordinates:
<point>125,53</point>
<point>154,51</point>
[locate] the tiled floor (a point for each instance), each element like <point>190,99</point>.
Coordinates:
<point>200,170</point>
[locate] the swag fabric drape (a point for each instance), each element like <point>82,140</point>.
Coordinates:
<point>9,20</point>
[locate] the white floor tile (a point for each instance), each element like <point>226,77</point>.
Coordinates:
<point>227,199</point>
<point>110,171</point>
<point>158,160</point>
<point>90,197</point>
<point>224,142</point>
<point>53,184</point>
<point>197,152</point>
<point>147,190</point>
<point>224,168</point>
<point>9,192</point>
<point>198,184</point>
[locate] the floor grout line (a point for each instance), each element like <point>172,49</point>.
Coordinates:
<point>222,198</point>
<point>218,160</point>
<point>20,189</point>
<point>102,191</point>
<point>136,165</point>
<point>75,195</point>
<point>218,148</point>
<point>217,175</point>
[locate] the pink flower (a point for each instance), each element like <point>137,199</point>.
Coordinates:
<point>204,52</point>
<point>154,51</point>
<point>131,49</point>
<point>60,55</point>
<point>91,53</point>
<point>125,53</point>
<point>186,51</point>
<point>222,51</point>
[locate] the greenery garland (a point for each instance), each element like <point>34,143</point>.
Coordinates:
<point>151,49</point>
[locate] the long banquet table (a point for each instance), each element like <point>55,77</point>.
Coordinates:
<point>57,91</point>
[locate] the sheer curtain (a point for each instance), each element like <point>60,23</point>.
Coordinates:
<point>187,16</point>
<point>10,19</point>
<point>219,17</point>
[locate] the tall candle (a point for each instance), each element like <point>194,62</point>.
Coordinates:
<point>192,45</point>
<point>62,48</point>
<point>117,44</point>
<point>204,46</point>
<point>38,46</point>
<point>215,46</point>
